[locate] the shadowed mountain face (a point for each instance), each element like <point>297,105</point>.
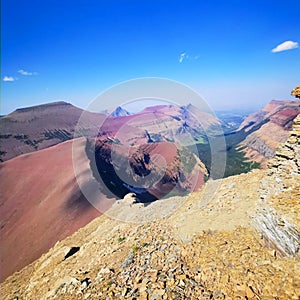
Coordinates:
<point>267,129</point>
<point>34,128</point>
<point>152,171</point>
<point>147,153</point>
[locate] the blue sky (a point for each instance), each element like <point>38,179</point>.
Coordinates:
<point>72,50</point>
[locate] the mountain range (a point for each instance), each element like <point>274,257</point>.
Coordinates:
<point>235,238</point>
<point>151,153</point>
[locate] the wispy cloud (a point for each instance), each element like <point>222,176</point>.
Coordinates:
<point>8,78</point>
<point>181,57</point>
<point>287,45</point>
<point>184,56</point>
<point>26,73</point>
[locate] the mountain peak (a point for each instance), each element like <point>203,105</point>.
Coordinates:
<point>120,112</point>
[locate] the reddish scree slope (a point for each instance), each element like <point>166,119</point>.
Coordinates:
<point>40,204</point>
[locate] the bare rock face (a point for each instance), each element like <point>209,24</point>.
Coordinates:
<point>287,158</point>
<point>281,188</point>
<point>296,92</point>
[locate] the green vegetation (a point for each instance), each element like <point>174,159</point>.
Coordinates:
<point>33,144</point>
<point>236,162</point>
<point>135,249</point>
<point>121,239</point>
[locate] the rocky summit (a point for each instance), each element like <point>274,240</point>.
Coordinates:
<point>236,238</point>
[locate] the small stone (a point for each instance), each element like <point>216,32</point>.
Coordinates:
<point>124,292</point>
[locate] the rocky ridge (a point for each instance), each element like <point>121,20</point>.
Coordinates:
<point>296,92</point>
<point>236,238</point>
<point>280,196</point>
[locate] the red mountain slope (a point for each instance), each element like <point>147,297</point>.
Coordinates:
<point>40,204</point>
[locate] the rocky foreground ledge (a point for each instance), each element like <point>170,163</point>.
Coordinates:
<point>237,238</point>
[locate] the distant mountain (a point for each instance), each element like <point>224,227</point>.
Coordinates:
<point>231,120</point>
<point>120,112</point>
<point>152,170</point>
<point>161,123</point>
<point>267,129</point>
<point>155,131</point>
<point>34,128</point>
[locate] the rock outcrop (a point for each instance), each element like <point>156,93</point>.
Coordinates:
<point>287,157</point>
<point>296,92</point>
<point>281,188</point>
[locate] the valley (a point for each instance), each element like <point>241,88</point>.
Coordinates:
<point>159,153</point>
<point>234,238</point>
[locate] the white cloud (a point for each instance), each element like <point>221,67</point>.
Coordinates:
<point>287,45</point>
<point>8,78</point>
<point>182,56</point>
<point>26,73</point>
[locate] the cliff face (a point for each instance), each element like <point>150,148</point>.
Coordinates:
<point>274,122</point>
<point>236,238</point>
<point>278,217</point>
<point>286,161</point>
